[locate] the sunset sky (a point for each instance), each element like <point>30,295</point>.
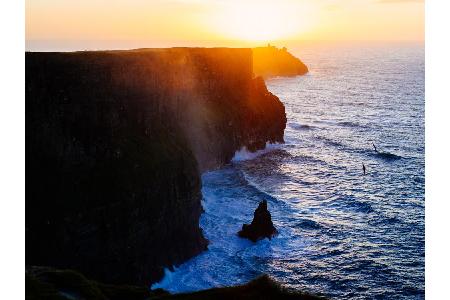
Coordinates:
<point>93,23</point>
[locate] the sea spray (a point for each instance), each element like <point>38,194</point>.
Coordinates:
<point>245,154</point>
<point>166,280</point>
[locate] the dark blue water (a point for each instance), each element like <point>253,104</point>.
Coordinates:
<point>341,234</point>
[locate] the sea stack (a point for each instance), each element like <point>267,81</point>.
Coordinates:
<point>261,226</point>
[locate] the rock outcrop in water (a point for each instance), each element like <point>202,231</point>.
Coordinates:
<point>271,62</point>
<point>261,226</point>
<point>115,144</point>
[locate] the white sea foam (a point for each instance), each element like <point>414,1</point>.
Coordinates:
<point>165,281</point>
<point>245,154</point>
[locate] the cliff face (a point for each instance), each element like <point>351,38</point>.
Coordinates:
<point>115,143</point>
<point>271,61</point>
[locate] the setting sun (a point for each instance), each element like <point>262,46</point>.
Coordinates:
<point>263,20</point>
<point>97,24</point>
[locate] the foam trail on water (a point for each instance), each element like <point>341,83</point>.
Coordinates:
<point>244,154</point>
<point>165,281</point>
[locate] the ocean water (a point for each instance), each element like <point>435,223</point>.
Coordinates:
<point>341,234</point>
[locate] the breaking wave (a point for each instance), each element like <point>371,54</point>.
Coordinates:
<point>244,154</point>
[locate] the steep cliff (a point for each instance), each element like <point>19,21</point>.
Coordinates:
<point>115,143</point>
<point>270,62</point>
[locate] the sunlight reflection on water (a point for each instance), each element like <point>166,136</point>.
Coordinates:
<point>341,234</point>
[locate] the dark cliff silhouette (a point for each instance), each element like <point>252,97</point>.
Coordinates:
<point>271,62</point>
<point>44,283</point>
<point>115,144</point>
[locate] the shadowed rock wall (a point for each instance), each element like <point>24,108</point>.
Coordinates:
<point>115,143</point>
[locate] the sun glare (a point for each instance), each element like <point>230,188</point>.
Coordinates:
<point>263,20</point>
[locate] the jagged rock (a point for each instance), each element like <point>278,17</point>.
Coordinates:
<point>261,226</point>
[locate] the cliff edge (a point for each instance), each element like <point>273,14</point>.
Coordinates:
<point>115,145</point>
<point>271,62</point>
<point>42,283</point>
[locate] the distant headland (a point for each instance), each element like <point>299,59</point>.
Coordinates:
<point>271,61</point>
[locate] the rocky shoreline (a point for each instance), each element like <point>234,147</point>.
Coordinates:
<point>44,283</point>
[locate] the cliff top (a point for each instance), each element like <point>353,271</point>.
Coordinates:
<point>154,50</point>
<point>267,61</point>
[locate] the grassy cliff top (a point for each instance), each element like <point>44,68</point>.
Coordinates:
<point>49,283</point>
<point>268,61</point>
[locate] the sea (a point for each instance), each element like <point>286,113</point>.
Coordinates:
<point>341,234</point>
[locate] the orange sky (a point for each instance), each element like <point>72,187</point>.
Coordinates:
<point>89,23</point>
